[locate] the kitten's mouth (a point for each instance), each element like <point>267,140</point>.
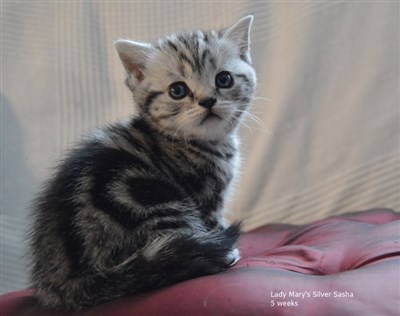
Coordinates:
<point>210,116</point>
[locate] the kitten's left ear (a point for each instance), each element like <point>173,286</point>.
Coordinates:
<point>133,56</point>
<point>239,33</point>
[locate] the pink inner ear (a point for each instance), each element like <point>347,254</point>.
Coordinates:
<point>135,69</point>
<point>245,57</point>
<point>137,72</point>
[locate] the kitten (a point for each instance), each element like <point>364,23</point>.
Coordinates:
<point>139,204</point>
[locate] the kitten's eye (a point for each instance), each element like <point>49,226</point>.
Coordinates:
<point>224,80</point>
<point>178,90</point>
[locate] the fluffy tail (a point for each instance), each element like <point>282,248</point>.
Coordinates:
<point>176,260</point>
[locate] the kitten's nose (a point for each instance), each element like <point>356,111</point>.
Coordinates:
<point>208,103</point>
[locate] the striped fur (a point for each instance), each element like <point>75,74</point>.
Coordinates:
<point>139,205</point>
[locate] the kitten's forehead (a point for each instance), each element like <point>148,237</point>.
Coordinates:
<point>193,52</point>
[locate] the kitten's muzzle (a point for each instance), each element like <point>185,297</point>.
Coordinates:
<point>208,103</point>
<point>210,114</point>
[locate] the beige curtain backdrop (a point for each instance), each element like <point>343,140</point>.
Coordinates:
<point>325,139</point>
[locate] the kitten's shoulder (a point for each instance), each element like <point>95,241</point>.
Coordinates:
<point>118,134</point>
<point>97,143</point>
<point>107,133</point>
<point>131,137</point>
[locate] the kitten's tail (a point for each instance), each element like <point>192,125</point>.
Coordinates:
<point>167,262</point>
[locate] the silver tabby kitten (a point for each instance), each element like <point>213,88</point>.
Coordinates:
<point>139,205</point>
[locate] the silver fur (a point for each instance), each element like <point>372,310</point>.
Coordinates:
<point>139,204</point>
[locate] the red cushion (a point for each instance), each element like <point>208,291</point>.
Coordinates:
<point>344,265</point>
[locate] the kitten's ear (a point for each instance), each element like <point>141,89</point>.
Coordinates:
<point>133,56</point>
<point>239,33</point>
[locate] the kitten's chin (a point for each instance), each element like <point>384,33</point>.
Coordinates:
<point>210,117</point>
<point>212,128</point>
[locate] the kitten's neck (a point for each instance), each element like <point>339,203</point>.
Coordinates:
<point>150,127</point>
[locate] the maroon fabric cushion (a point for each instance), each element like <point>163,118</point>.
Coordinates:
<point>344,265</point>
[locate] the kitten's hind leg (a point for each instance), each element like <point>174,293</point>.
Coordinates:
<point>167,259</point>
<point>197,254</point>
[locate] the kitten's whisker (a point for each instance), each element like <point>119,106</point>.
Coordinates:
<point>257,120</point>
<point>263,98</point>
<point>247,126</point>
<point>252,116</point>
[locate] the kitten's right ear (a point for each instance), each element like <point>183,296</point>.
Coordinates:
<point>133,56</point>
<point>239,34</point>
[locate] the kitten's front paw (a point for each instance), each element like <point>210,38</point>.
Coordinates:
<point>233,257</point>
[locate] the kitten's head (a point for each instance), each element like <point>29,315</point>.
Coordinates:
<point>193,84</point>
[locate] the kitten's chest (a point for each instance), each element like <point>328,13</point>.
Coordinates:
<point>206,177</point>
